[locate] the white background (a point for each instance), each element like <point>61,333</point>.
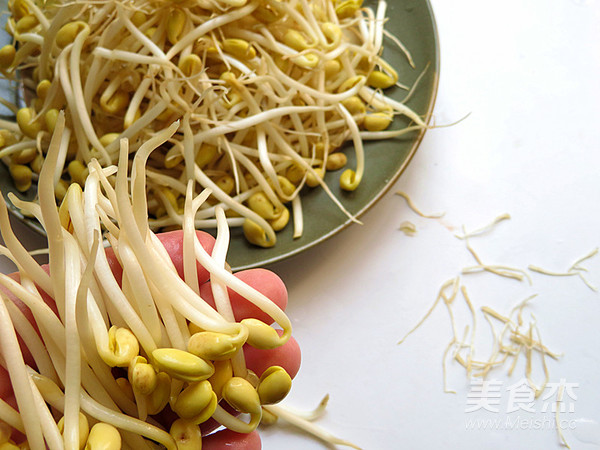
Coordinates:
<point>528,73</point>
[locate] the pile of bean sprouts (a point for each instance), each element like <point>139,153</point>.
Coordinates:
<point>172,348</point>
<point>266,92</point>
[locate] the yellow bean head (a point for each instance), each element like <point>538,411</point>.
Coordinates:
<point>348,180</point>
<point>280,223</point>
<point>378,121</point>
<point>190,65</point>
<point>355,105</point>
<point>187,435</point>
<point>25,156</point>
<point>239,48</point>
<point>295,40</point>
<point>78,172</point>
<point>261,205</point>
<point>138,18</point>
<point>194,399</point>
<point>261,335</point>
<point>256,235</point>
<point>350,83</point>
<point>36,164</point>
<point>123,346</point>
<point>336,161</point>
<point>274,384</point>
<point>312,180</point>
<point>182,365</point>
<point>223,372</point>
<point>68,32</point>
<point>268,418</point>
<point>226,183</point>
<point>348,8</point>
<point>158,399</point>
<point>333,33</point>
<point>306,60</point>
<point>27,124</point>
<point>380,80</point>
<point>213,346</point>
<point>295,173</point>
<point>84,429</point>
<point>103,436</point>
<point>21,175</point>
<point>7,56</point>
<point>206,153</point>
<point>26,23</point>
<point>175,23</point>
<point>241,395</point>
<point>50,119</point>
<point>116,103</point>
<point>142,375</point>
<point>332,68</point>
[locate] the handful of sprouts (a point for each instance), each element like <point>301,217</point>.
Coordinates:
<point>123,348</point>
<point>266,91</point>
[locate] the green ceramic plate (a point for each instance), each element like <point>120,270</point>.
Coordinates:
<point>413,23</point>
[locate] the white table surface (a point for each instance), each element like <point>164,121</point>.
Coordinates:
<point>528,74</point>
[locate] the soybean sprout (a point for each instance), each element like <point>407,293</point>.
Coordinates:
<point>268,92</point>
<point>120,350</point>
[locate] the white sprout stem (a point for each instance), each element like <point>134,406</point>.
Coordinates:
<point>123,422</point>
<point>235,424</point>
<point>219,288</point>
<point>51,219</point>
<point>285,147</point>
<point>53,437</point>
<point>138,178</point>
<point>19,379</point>
<point>53,334</point>
<point>62,74</point>
<point>188,147</point>
<point>130,57</point>
<point>136,100</point>
<point>21,256</point>
<point>379,21</point>
<point>175,328</point>
<point>141,294</point>
<point>73,347</point>
<point>254,120</point>
<point>248,292</point>
<point>145,120</point>
<point>11,416</point>
<point>217,192</point>
<point>358,144</point>
<point>32,341</point>
<point>297,217</point>
<point>190,271</point>
<point>260,179</point>
<point>15,148</point>
<point>86,306</point>
<point>307,426</point>
<point>61,157</point>
<point>182,295</point>
<point>49,324</point>
<point>84,118</point>
<point>372,95</point>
